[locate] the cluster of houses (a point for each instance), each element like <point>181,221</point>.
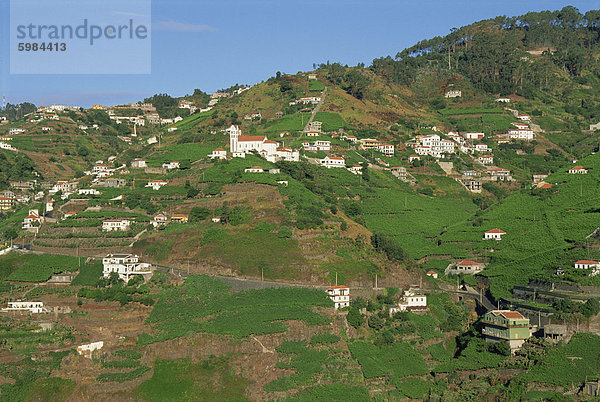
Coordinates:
<point>8,199</point>
<point>124,224</point>
<point>241,145</point>
<point>433,145</point>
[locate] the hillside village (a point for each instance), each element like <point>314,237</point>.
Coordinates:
<point>302,237</point>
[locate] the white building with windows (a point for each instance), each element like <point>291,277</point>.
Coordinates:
<point>218,153</point>
<point>340,295</point>
<point>523,134</point>
<point>126,265</point>
<point>319,145</point>
<point>386,149</point>
<point>111,225</point>
<point>34,307</point>
<point>473,136</point>
<point>434,145</point>
<point>171,165</point>
<point>587,264</point>
<point>333,161</point>
<point>88,191</point>
<point>495,234</point>
<point>268,149</point>
<point>412,300</point>
<point>254,169</point>
<point>138,164</point>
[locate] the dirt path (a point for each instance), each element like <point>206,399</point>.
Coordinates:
<point>316,109</point>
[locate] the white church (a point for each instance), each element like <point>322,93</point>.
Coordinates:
<point>270,150</point>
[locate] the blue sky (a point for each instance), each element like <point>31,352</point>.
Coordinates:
<point>215,44</point>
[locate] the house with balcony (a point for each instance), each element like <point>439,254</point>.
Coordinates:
<point>340,295</point>
<point>506,325</point>
<point>126,265</point>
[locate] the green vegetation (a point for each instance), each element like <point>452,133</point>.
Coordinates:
<point>37,268</point>
<point>210,379</point>
<point>315,85</point>
<point>88,274</point>
<point>205,305</point>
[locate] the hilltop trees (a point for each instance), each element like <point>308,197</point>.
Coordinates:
<point>17,112</point>
<point>491,55</point>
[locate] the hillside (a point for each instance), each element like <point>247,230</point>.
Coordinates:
<point>386,178</point>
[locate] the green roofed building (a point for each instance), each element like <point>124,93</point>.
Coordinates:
<point>506,325</point>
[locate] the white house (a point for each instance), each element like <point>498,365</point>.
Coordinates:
<point>495,234</point>
<point>156,184</point>
<point>434,146</point>
<point>88,191</point>
<point>453,93</point>
<point>242,144</point>
<point>523,117</point>
<point>473,136</point>
<point>485,159</point>
<point>32,221</point>
<point>333,161</point>
<point>88,349</point>
<point>587,264</point>
<point>503,100</point>
<point>481,147</point>
<point>432,274</point>
<point>254,169</point>
<point>309,99</point>
<point>525,134</point>
<point>126,265</point>
<point>15,131</point>
<point>216,219</point>
<point>7,146</point>
<point>350,138</point>
<point>319,145</point>
<point>159,220</point>
<point>467,267</point>
<point>138,164</point>
<point>413,158</point>
<point>355,169</point>
<point>386,149</point>
<point>218,153</point>
<point>34,307</point>
<point>340,295</point>
<point>412,300</point>
<point>499,174</point>
<point>171,165</point>
<point>171,129</point>
<point>287,154</point>
<point>578,170</point>
<point>111,225</point>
